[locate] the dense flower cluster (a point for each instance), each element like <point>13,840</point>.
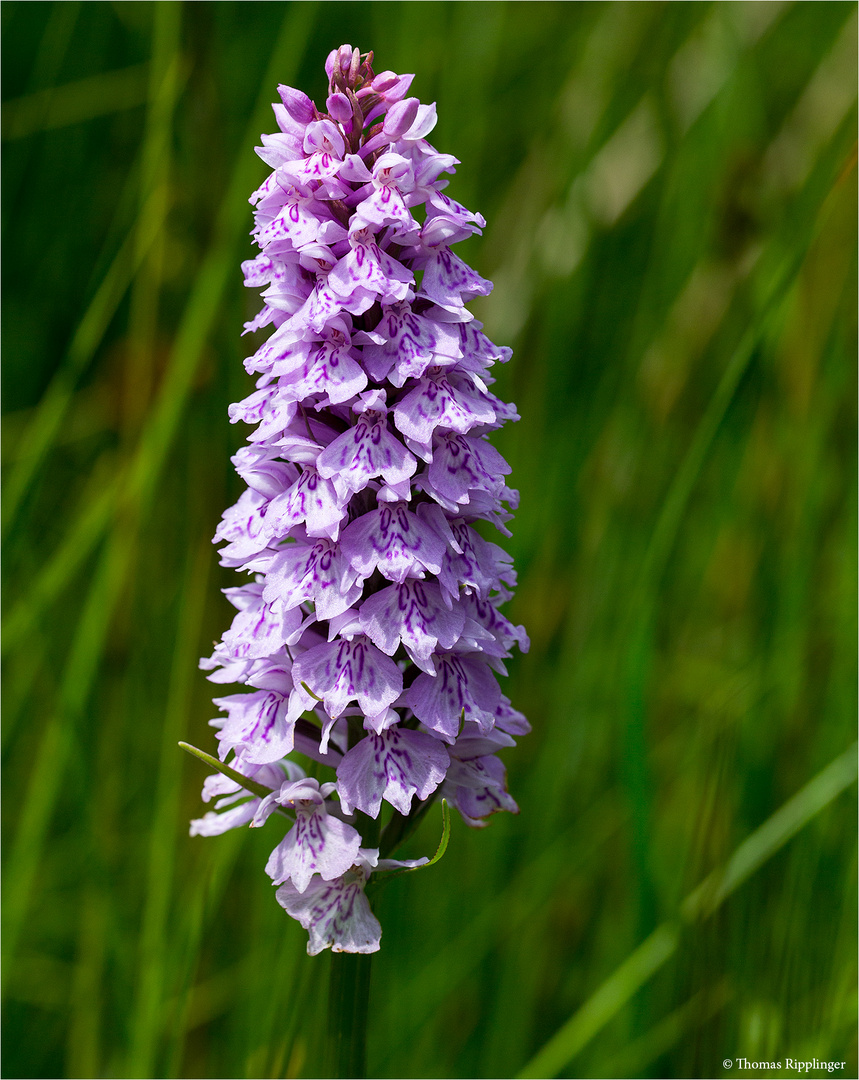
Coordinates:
<point>370,634</point>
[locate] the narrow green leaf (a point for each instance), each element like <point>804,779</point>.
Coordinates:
<point>243,781</point>
<point>445,836</point>
<point>439,852</point>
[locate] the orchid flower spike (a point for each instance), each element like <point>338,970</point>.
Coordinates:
<point>368,637</point>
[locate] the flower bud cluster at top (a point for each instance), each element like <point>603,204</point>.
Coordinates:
<point>370,635</point>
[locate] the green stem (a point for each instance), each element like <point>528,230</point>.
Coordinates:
<point>348,998</point>
<point>349,989</point>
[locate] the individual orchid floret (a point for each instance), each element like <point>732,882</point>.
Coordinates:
<point>476,782</point>
<point>395,764</point>
<point>318,843</point>
<point>337,914</point>
<point>368,638</point>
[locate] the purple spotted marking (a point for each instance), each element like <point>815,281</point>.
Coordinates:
<point>344,671</point>
<point>395,765</point>
<point>441,401</point>
<point>364,452</point>
<point>412,614</point>
<point>395,541</point>
<point>462,686</point>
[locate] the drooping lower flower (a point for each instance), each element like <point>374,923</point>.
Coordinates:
<point>369,635</point>
<point>337,913</point>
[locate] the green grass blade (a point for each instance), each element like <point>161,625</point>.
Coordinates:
<point>56,743</point>
<point>602,1005</point>
<point>145,472</point>
<point>775,832</point>
<point>98,503</point>
<point>37,440</point>
<point>76,102</point>
<point>155,953</point>
<point>649,957</point>
<point>505,913</point>
<point>632,1060</point>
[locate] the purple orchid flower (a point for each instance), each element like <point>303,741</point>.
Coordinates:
<point>369,636</point>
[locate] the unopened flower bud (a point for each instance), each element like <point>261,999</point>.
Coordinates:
<point>400,117</point>
<point>339,107</point>
<point>298,105</point>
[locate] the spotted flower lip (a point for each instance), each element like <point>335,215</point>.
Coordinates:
<point>368,637</point>
<point>336,913</point>
<point>318,843</point>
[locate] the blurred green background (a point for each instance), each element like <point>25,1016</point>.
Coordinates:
<point>671,191</point>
